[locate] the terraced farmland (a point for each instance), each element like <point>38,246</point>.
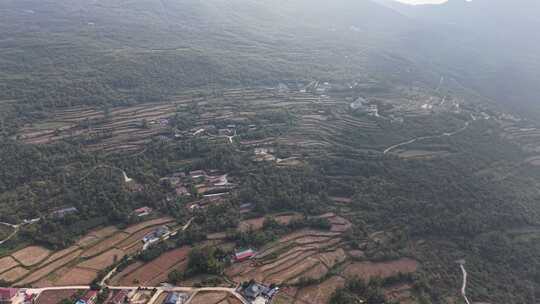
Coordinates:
<point>36,266</point>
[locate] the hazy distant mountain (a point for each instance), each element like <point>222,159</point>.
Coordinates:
<point>144,49</point>
<point>488,45</point>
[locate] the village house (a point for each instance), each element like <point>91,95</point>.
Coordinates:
<point>7,295</point>
<point>143,211</point>
<point>60,213</point>
<point>197,174</point>
<point>244,255</point>
<point>176,298</point>
<point>89,298</point>
<point>256,293</point>
<point>156,234</point>
<point>119,298</point>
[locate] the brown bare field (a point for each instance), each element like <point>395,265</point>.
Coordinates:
<point>339,224</point>
<point>153,269</point>
<point>55,296</point>
<point>287,261</point>
<point>103,260</point>
<point>87,240</point>
<point>357,254</point>
<point>252,224</point>
<point>311,239</point>
<point>31,255</point>
<point>209,297</point>
<point>366,270</point>
<point>164,276</point>
<point>287,218</point>
<point>7,263</point>
<point>105,244</point>
<point>130,268</point>
<point>104,232</point>
<point>134,238</point>
<point>283,298</point>
<point>319,294</point>
<point>14,274</point>
<point>303,233</point>
<point>76,276</point>
<point>233,300</point>
<point>41,272</point>
<point>292,272</point>
<point>400,293</point>
<point>237,269</point>
<point>332,258</point>
<point>257,223</point>
<point>315,273</point>
<point>217,236</point>
<point>342,200</point>
<point>59,254</point>
<point>134,248</point>
<point>155,222</point>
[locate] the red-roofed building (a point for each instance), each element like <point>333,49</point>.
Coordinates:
<point>90,297</point>
<point>142,211</point>
<point>119,297</point>
<point>244,255</point>
<point>7,295</point>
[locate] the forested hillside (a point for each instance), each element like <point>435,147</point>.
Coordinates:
<point>413,136</point>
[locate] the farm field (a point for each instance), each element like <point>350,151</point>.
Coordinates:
<point>323,122</point>
<point>210,298</point>
<point>31,255</point>
<point>305,132</point>
<point>315,256</point>
<point>153,272</point>
<point>55,296</point>
<point>80,263</point>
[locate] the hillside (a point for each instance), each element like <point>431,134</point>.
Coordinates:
<point>363,135</point>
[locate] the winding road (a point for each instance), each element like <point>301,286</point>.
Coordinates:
<point>464,285</point>
<point>16,228</point>
<point>159,290</point>
<point>446,134</point>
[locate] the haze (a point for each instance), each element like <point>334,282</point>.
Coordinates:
<point>417,2</point>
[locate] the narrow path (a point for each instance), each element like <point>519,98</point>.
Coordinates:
<point>15,230</point>
<point>113,271</point>
<point>446,134</point>
<point>464,285</point>
<point>17,227</point>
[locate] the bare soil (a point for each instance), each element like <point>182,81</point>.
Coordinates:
<point>31,255</point>
<point>14,274</point>
<point>7,263</point>
<point>320,294</point>
<point>105,244</point>
<point>155,222</point>
<point>42,272</point>
<point>103,260</point>
<point>55,296</point>
<point>209,297</point>
<point>76,276</point>
<point>367,270</point>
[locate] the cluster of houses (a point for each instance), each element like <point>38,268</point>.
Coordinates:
<point>364,106</point>
<point>155,236</point>
<point>8,295</point>
<point>256,293</point>
<point>176,298</point>
<point>264,154</point>
<point>204,187</point>
<point>143,211</point>
<point>89,297</point>
<point>15,296</point>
